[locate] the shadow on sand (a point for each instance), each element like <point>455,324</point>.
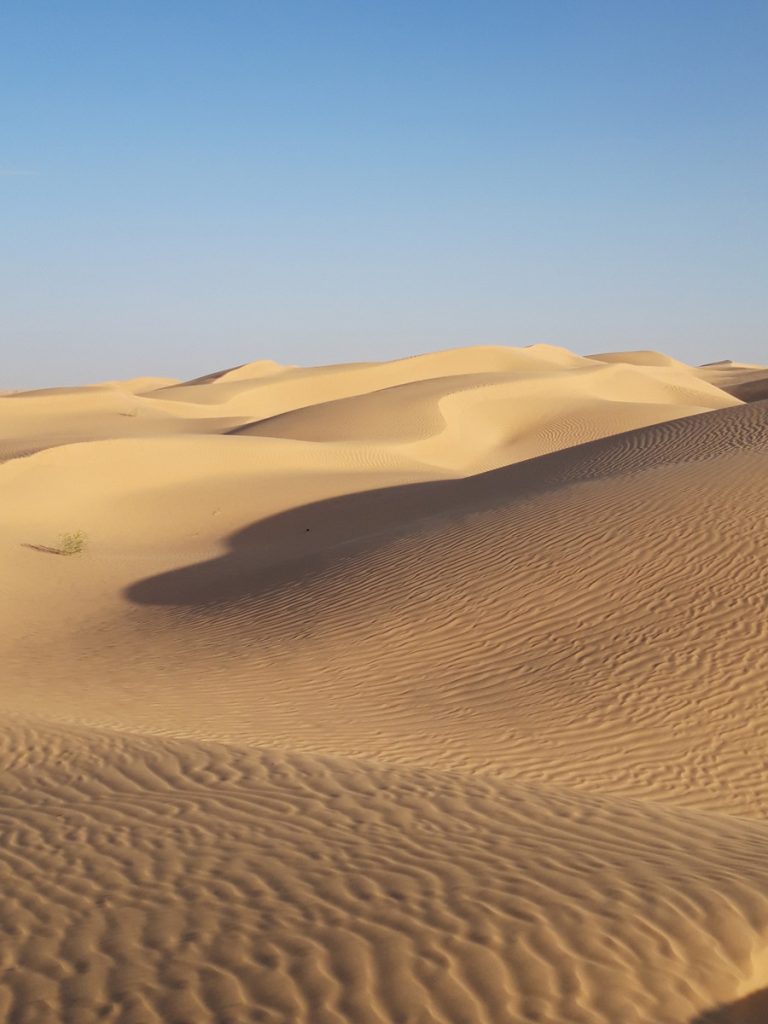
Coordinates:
<point>271,551</point>
<point>751,1009</point>
<point>750,391</point>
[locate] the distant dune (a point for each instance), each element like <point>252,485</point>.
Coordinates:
<point>421,692</point>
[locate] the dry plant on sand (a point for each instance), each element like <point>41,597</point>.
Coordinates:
<point>71,543</point>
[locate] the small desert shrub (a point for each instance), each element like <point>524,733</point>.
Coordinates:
<point>72,543</point>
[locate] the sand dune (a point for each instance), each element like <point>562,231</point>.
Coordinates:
<point>744,381</point>
<point>424,691</point>
<point>470,422</point>
<point>177,881</point>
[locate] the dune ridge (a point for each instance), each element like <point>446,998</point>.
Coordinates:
<point>422,691</point>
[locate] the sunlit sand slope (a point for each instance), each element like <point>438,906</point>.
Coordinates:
<point>479,420</point>
<point>463,409</point>
<point>151,881</point>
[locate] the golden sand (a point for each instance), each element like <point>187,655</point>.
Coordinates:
<point>421,692</point>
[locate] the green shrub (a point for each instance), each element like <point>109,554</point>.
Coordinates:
<point>72,543</point>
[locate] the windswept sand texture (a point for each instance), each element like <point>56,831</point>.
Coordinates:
<point>402,693</point>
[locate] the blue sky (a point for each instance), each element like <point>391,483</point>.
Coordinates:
<point>187,185</point>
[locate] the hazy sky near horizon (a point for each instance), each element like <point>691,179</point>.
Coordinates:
<point>190,185</point>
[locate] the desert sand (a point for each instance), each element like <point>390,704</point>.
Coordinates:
<point>418,692</point>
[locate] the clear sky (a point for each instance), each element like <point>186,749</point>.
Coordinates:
<point>189,185</point>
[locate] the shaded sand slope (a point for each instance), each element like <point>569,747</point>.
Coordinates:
<point>155,881</point>
<point>322,729</point>
<point>744,381</point>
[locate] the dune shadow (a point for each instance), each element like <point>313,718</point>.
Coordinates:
<point>278,548</point>
<point>271,551</point>
<point>283,547</point>
<point>750,391</point>
<point>751,1009</point>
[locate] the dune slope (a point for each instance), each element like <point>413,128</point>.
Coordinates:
<point>414,692</point>
<point>164,881</point>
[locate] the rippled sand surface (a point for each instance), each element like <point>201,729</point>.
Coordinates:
<point>421,692</point>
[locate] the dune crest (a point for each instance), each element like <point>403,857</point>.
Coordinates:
<point>420,691</point>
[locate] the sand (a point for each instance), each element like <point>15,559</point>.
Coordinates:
<point>410,692</point>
